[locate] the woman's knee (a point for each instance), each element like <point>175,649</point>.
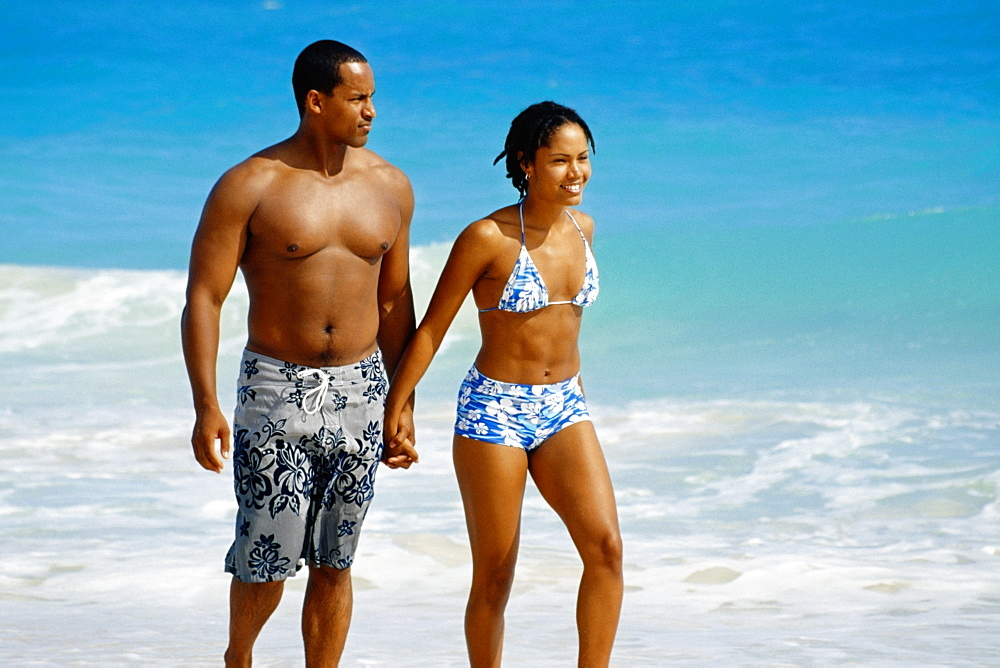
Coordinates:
<point>604,551</point>
<point>493,581</point>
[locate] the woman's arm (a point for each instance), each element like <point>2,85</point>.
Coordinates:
<point>470,257</point>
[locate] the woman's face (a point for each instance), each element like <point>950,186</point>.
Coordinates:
<point>560,171</point>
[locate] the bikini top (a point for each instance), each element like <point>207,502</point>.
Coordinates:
<point>525,290</point>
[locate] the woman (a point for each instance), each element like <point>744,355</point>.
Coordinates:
<point>521,408</point>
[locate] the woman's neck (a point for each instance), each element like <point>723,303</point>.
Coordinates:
<point>539,213</point>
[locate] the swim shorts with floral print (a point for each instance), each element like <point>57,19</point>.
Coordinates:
<point>307,443</point>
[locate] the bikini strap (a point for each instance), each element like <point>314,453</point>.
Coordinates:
<point>578,228</point>
<point>520,212</point>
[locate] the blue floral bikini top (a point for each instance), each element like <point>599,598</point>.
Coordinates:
<point>525,290</point>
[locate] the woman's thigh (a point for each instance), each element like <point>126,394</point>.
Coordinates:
<point>571,473</point>
<point>491,479</point>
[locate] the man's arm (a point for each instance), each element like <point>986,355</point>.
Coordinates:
<point>395,297</point>
<point>218,245</point>
<point>397,320</point>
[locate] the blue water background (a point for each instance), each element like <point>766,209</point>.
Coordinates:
<point>873,127</point>
<point>118,116</point>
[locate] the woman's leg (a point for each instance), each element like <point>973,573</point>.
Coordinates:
<point>491,478</point>
<point>571,474</point>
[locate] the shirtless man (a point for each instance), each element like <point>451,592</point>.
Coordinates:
<point>319,226</point>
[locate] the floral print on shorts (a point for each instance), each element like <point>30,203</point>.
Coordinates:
<point>307,443</point>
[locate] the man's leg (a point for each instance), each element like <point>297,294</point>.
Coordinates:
<point>250,606</point>
<point>326,615</point>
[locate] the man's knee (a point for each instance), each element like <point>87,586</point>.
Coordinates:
<point>328,576</point>
<point>249,592</point>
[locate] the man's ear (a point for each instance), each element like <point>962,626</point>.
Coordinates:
<point>313,102</point>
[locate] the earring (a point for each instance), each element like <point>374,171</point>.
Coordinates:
<point>527,176</point>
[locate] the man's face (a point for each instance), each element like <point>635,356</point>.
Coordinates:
<point>348,109</point>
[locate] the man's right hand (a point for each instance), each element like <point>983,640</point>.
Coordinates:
<point>210,427</point>
<point>399,450</point>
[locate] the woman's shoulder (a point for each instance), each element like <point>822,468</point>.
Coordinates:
<point>494,228</point>
<point>582,219</point>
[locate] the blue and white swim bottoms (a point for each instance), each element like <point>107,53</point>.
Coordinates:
<point>520,416</point>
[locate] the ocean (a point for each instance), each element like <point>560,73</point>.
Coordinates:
<point>793,366</point>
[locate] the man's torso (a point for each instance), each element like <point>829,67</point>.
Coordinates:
<point>312,260</point>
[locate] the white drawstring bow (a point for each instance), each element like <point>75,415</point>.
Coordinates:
<point>315,397</point>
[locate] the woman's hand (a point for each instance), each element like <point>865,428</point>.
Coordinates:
<point>399,437</point>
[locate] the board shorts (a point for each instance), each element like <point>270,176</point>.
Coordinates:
<point>520,416</point>
<point>306,446</point>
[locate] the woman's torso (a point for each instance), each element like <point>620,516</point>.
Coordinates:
<point>540,345</point>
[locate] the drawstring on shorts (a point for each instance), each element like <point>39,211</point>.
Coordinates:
<point>316,396</point>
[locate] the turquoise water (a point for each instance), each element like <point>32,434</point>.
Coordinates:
<point>793,364</point>
<point>868,303</point>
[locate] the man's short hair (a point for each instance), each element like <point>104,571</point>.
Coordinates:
<point>318,68</point>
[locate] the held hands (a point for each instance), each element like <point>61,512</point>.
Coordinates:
<point>399,450</point>
<point>210,427</point>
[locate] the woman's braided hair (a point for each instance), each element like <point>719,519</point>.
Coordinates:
<point>529,131</point>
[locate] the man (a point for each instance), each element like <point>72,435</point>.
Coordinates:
<point>319,226</point>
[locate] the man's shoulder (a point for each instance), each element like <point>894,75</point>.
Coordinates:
<point>371,168</point>
<point>374,164</point>
<point>253,172</point>
<point>244,185</point>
